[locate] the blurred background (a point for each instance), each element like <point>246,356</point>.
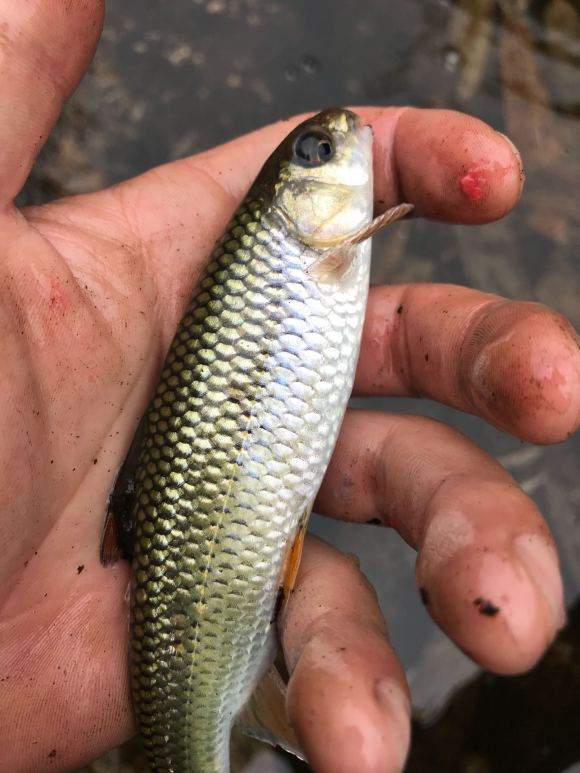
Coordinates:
<point>172,77</point>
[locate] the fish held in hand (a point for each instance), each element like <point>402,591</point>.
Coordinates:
<point>238,436</point>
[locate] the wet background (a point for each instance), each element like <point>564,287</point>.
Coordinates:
<point>172,77</point>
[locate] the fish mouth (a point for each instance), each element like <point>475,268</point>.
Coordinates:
<point>365,133</point>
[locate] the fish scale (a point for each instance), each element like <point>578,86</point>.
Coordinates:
<point>239,434</point>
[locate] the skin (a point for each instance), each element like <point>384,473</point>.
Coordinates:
<point>92,290</point>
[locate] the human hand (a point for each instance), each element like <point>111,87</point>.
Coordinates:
<point>92,288</point>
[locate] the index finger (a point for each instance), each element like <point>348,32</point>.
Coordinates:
<point>450,166</point>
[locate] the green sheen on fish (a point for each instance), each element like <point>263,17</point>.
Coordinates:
<point>238,437</point>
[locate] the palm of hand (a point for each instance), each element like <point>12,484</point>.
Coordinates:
<point>82,341</point>
<point>88,315</point>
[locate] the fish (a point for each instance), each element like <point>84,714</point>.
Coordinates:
<point>238,436</point>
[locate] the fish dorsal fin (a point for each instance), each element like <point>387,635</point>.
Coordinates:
<point>264,715</point>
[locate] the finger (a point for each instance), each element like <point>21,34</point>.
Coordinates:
<point>347,696</point>
<point>517,365</point>
<point>487,565</point>
<point>45,47</point>
<point>420,156</point>
<point>177,211</point>
<point>451,166</point>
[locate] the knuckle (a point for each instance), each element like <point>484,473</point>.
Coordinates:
<point>519,363</point>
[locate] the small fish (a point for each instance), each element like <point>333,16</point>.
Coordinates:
<point>236,441</point>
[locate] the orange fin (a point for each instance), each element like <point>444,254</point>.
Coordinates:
<point>292,562</point>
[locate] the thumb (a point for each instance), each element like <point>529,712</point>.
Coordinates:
<point>45,48</point>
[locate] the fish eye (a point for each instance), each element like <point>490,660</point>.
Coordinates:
<point>313,148</point>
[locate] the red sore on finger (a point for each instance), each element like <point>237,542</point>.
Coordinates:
<point>454,167</point>
<point>472,183</point>
<point>480,177</point>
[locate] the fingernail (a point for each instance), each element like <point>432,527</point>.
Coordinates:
<point>541,564</point>
<point>516,152</point>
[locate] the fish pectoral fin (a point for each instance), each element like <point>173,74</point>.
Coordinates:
<point>382,221</point>
<point>333,264</point>
<point>264,715</point>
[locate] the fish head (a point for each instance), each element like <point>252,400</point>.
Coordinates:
<point>321,178</point>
